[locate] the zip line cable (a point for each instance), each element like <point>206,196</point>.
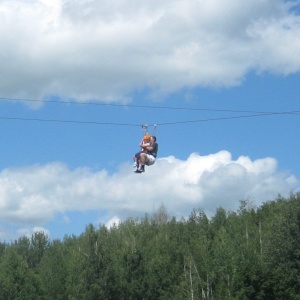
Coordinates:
<point>251,114</point>
<point>139,106</point>
<point>229,118</point>
<point>66,121</point>
<point>156,124</point>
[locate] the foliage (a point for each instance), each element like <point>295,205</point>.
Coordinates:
<point>249,254</point>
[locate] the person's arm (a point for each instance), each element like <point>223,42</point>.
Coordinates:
<point>148,148</point>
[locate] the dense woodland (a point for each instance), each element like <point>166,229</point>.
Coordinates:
<point>253,253</point>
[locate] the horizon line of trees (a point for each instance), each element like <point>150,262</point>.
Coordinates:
<point>252,253</point>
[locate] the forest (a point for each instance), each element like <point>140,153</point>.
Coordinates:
<point>253,253</point>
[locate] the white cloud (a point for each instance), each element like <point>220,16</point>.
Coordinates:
<point>32,196</point>
<point>10,232</point>
<point>114,221</point>
<point>105,50</point>
<point>27,231</point>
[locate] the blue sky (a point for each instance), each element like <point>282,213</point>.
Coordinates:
<point>173,63</point>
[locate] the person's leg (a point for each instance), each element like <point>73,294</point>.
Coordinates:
<point>143,160</point>
<point>136,159</point>
<point>150,160</point>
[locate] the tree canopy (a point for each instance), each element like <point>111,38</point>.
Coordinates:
<point>252,253</point>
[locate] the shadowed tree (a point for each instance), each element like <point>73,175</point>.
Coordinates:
<point>17,280</point>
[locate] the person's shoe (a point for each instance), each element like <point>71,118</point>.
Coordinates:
<point>137,171</point>
<point>141,169</point>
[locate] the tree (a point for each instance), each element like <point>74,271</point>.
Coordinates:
<point>53,270</point>
<point>17,280</point>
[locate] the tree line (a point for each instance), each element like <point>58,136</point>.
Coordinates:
<point>252,253</point>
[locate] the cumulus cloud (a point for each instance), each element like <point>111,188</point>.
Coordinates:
<point>28,231</point>
<point>114,221</point>
<point>106,50</point>
<point>32,196</point>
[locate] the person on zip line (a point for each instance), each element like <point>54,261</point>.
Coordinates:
<point>148,155</point>
<point>144,142</point>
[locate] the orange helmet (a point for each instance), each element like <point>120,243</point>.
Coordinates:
<point>147,137</point>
